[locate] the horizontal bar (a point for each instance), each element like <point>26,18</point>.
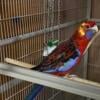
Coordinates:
<point>67,85</point>
<point>98,24</point>
<point>95,19</point>
<point>32,34</point>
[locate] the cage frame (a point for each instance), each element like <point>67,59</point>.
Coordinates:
<point>11,72</point>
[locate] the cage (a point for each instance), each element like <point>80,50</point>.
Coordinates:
<point>25,26</point>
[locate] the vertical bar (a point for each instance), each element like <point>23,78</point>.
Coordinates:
<point>89,9</point>
<point>86,55</point>
<point>59,8</point>
<point>85,64</point>
<point>44,18</point>
<point>52,17</point>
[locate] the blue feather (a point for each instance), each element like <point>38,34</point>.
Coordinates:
<point>68,65</point>
<point>34,92</point>
<point>89,34</point>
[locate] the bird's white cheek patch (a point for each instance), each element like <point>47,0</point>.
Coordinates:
<point>95,28</point>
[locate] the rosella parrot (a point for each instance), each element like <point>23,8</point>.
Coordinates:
<point>66,55</point>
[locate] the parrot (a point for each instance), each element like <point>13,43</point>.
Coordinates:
<point>63,59</point>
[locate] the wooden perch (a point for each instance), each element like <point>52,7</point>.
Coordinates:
<point>84,81</point>
<point>18,63</point>
<point>71,77</point>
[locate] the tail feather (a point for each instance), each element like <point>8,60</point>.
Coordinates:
<point>34,92</point>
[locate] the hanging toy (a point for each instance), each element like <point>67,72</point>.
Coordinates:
<point>49,47</point>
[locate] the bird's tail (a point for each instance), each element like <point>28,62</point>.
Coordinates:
<point>36,89</point>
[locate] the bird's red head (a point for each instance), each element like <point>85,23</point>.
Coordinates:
<point>84,34</point>
<point>88,24</point>
<point>85,27</point>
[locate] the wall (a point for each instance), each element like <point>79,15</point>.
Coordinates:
<point>95,9</point>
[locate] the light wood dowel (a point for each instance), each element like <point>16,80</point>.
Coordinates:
<point>19,63</point>
<point>84,81</point>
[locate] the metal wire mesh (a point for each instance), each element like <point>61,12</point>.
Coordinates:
<point>94,61</point>
<point>18,18</point>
